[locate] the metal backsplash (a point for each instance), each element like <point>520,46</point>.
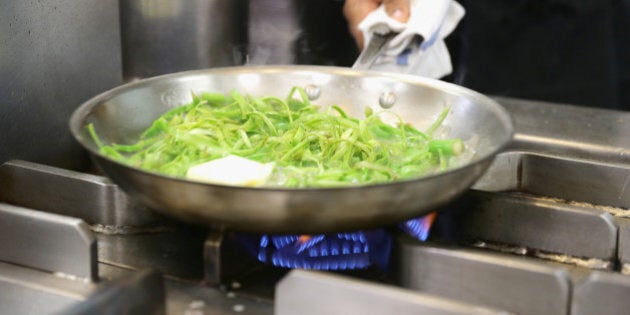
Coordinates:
<point>165,36</point>
<point>54,55</point>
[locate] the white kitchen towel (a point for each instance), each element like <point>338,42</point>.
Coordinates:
<point>419,46</point>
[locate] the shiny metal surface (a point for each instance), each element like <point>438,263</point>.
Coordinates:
<point>569,131</point>
<point>161,36</point>
<point>225,258</point>
<point>313,293</point>
<point>30,291</point>
<point>55,55</point>
<point>498,281</point>
<point>623,248</point>
<point>502,174</point>
<point>174,252</point>
<point>34,292</point>
<point>119,115</point>
<point>538,224</point>
<point>140,293</point>
<point>274,27</point>
<point>374,50</point>
<point>47,241</point>
<point>601,293</point>
<point>184,298</point>
<point>576,180</point>
<point>93,198</point>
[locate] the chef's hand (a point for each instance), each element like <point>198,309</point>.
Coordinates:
<point>356,10</point>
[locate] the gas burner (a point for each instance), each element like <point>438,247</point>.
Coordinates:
<point>338,251</point>
<point>419,228</point>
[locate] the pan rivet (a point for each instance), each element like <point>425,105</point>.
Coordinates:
<point>387,99</point>
<point>312,91</point>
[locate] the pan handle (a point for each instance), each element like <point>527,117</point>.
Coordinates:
<point>373,50</point>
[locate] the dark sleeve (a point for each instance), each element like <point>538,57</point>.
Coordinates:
<point>556,50</point>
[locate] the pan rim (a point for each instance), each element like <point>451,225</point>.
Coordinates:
<point>78,117</point>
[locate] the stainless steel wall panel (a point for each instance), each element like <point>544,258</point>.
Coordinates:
<point>53,56</point>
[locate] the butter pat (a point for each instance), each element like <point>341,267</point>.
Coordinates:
<point>231,170</point>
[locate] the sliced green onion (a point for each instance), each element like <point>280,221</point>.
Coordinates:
<point>310,147</point>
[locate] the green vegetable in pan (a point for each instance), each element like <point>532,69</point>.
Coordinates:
<point>290,142</point>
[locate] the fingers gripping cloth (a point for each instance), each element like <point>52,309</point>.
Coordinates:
<point>418,48</point>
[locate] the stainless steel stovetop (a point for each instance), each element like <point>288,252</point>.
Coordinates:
<point>545,231</point>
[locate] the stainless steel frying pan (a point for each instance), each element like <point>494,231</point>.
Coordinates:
<point>121,114</point>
